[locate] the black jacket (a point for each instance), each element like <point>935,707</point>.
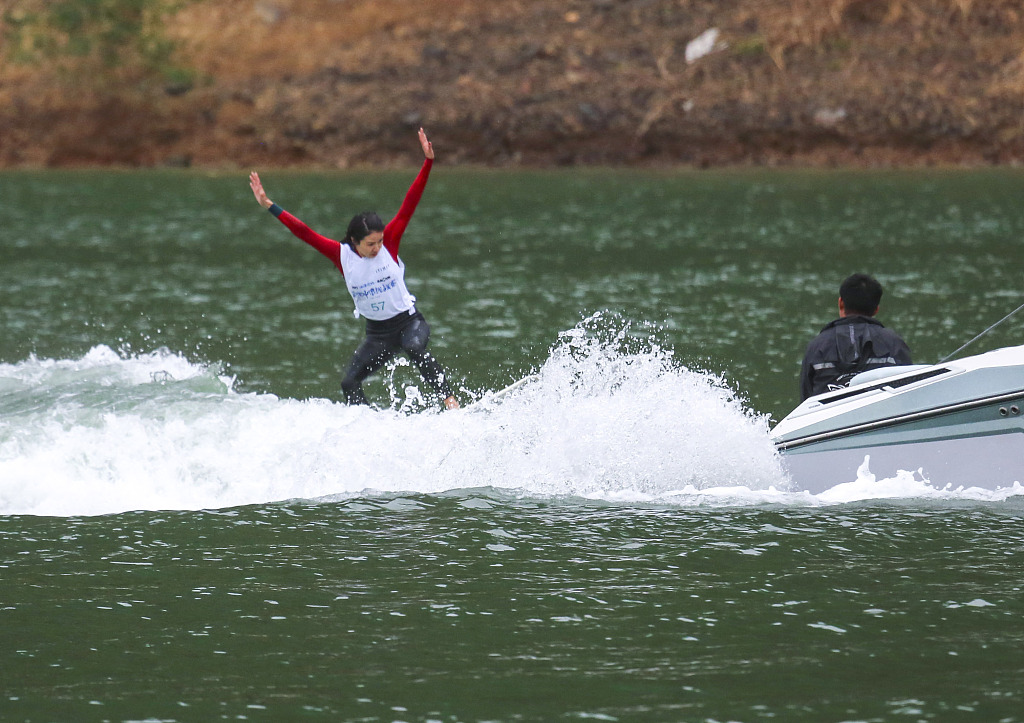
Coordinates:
<point>846,347</point>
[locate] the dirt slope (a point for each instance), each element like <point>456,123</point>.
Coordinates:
<point>332,83</point>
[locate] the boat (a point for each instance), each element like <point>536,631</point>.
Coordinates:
<point>958,424</point>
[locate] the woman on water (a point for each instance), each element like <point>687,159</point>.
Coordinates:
<point>376,282</point>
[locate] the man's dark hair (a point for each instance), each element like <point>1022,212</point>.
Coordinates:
<point>861,294</point>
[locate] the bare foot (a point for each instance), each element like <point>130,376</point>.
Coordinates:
<point>451,403</point>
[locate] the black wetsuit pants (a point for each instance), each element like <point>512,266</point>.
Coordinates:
<point>384,339</point>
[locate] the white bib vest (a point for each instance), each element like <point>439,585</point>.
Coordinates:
<point>377,285</point>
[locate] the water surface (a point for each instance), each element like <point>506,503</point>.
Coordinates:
<point>193,527</point>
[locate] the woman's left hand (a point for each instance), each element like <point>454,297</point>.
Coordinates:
<point>428,147</point>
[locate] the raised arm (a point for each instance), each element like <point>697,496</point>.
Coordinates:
<point>328,247</point>
<point>396,227</point>
<point>427,146</point>
<point>257,190</point>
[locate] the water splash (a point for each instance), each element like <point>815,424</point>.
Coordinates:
<point>608,416</point>
<point>908,484</point>
<point>611,415</point>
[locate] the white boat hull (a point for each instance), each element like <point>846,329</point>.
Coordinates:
<point>959,424</point>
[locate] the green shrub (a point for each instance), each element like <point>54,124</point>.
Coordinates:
<point>753,45</point>
<point>94,35</point>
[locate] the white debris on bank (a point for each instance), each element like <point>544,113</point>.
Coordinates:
<point>704,44</point>
<point>829,117</point>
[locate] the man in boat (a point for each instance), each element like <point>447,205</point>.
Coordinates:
<point>855,342</point>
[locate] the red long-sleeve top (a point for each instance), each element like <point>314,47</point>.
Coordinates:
<point>392,231</point>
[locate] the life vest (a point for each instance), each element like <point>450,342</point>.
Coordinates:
<point>377,285</point>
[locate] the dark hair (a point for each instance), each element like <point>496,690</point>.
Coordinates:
<point>861,294</point>
<point>361,226</point>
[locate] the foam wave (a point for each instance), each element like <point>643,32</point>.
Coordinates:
<point>101,365</point>
<point>606,417</point>
<point>908,485</point>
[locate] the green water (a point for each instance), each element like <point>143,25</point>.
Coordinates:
<point>469,601</point>
<point>736,271</point>
<point>470,609</point>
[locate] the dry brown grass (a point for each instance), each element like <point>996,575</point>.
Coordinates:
<point>233,39</point>
<point>340,81</point>
<point>789,24</point>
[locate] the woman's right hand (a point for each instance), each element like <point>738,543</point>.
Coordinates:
<point>257,190</point>
<point>426,145</point>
